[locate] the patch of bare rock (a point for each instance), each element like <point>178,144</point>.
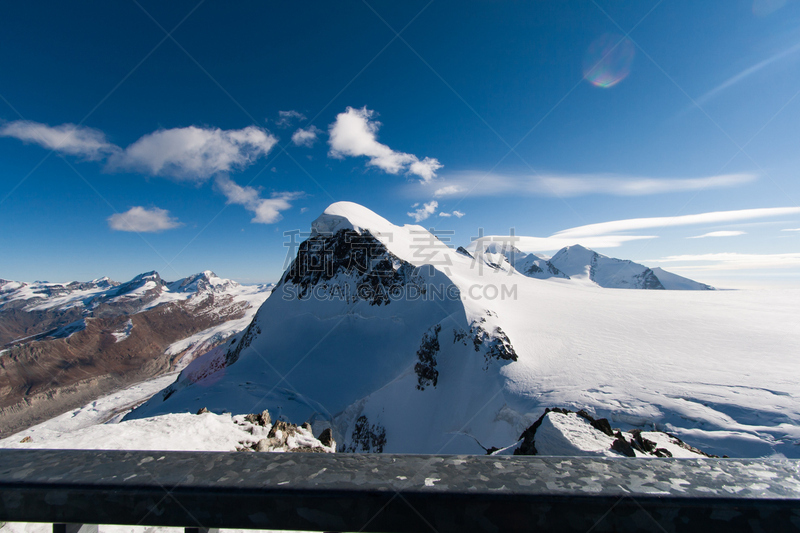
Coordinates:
<point>280,436</point>
<point>564,432</point>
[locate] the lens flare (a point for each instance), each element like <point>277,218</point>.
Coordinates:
<point>608,60</point>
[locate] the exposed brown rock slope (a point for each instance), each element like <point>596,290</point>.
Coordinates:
<point>50,373</point>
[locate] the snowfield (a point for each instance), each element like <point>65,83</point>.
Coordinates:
<point>471,367</point>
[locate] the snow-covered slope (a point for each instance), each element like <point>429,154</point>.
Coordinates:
<point>404,345</point>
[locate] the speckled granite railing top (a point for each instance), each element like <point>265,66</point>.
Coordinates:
<point>394,492</point>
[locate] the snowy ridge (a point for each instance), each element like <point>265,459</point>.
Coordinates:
<point>471,370</point>
<point>147,288</point>
<point>579,264</point>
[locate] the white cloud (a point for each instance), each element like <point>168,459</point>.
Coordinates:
<point>791,229</point>
<point>425,169</point>
<point>443,214</point>
<point>718,234</point>
<point>424,212</point>
<point>458,214</point>
<point>450,190</point>
<point>186,154</point>
<point>266,210</point>
<point>354,134</point>
<point>732,261</point>
<point>287,117</point>
<point>142,220</point>
<point>192,153</point>
<point>481,184</point>
<point>70,139</point>
<point>306,137</point>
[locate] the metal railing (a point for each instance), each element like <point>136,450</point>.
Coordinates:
<point>396,493</point>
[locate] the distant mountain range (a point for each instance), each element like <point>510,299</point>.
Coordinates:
<point>63,344</point>
<point>582,264</point>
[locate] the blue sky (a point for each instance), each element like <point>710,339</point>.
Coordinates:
<point>211,130</point>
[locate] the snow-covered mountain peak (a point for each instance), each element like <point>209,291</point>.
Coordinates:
<point>203,281</point>
<point>574,253</point>
<point>105,281</point>
<point>350,216</point>
<point>494,246</point>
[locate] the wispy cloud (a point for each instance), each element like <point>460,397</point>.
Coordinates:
<point>449,190</point>
<point>457,214</point>
<point>479,184</point>
<point>192,153</point>
<point>791,229</point>
<point>266,210</point>
<point>287,118</point>
<point>731,261</point>
<point>354,134</point>
<point>142,220</point>
<point>713,217</point>
<point>555,242</point>
<point>306,137</point>
<point>718,234</point>
<point>617,232</point>
<point>70,139</point>
<point>423,212</point>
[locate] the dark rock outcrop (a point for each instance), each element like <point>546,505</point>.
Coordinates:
<point>427,375</point>
<point>373,273</point>
<point>366,437</point>
<point>326,438</point>
<point>259,419</point>
<point>622,446</point>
